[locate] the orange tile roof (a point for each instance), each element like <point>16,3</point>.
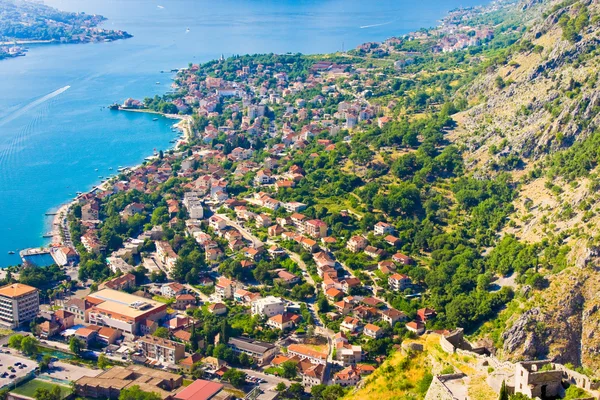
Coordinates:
<point>16,290</point>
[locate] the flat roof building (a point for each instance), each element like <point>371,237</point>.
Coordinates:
<point>123,311</point>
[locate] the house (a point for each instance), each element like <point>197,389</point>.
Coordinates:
<point>217,223</point>
<point>108,335</point>
<point>268,306</point>
<point>287,277</point>
<point>333,294</point>
<point>122,282</point>
<point>387,267</point>
<point>349,376</point>
<point>399,282</point>
<point>86,335</point>
<point>350,283</point>
<point>171,290</point>
<point>392,240</point>
<point>309,245</point>
<point>261,352</point>
<point>217,308</point>
<point>425,314</point>
<point>275,230</point>
<point>306,353</point>
<point>374,252</point>
<point>350,324</point>
<point>391,316</point>
<point>416,327</point>
<point>263,221</point>
<point>356,243</point>
<point>372,331</point>
<point>383,228</point>
<point>283,321</point>
<point>400,258</point>
<point>365,312</point>
<point>184,301</point>
<point>188,363</point>
<point>312,374</point>
<point>345,352</point>
<point>48,329</point>
<point>343,307</point>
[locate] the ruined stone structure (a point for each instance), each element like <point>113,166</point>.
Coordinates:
<point>534,380</point>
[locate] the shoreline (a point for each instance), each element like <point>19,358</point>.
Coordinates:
<point>186,133</point>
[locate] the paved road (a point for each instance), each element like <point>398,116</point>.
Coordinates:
<point>256,242</point>
<point>271,381</point>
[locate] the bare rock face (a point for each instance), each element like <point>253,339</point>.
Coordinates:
<point>562,323</point>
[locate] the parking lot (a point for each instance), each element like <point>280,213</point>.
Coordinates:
<point>9,367</point>
<point>67,372</point>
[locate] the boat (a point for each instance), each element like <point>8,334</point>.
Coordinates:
<point>110,168</point>
<point>188,29</point>
<point>11,252</point>
<point>158,83</point>
<point>154,119</point>
<point>96,169</point>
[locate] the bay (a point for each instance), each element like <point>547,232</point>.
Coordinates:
<point>55,131</point>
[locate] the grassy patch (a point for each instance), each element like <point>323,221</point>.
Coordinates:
<point>29,388</point>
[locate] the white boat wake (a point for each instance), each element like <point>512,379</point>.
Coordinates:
<point>375,25</point>
<point>33,104</point>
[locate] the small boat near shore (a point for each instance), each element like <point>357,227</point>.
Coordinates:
<point>154,119</point>
<point>11,253</point>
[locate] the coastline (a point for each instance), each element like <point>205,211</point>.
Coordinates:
<point>59,219</point>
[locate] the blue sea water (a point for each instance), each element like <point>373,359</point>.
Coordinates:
<point>54,131</point>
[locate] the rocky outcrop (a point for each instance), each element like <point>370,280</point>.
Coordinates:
<point>561,323</point>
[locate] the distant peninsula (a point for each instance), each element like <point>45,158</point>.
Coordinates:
<point>27,22</point>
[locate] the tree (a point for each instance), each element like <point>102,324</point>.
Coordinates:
<point>29,346</point>
<point>194,339</point>
<point>103,362</point>
<point>135,393</point>
<point>289,369</point>
<point>503,392</point>
<point>15,341</point>
<point>161,332</point>
<point>236,377</point>
<point>75,345</point>
<point>280,388</point>
<point>45,394</point>
<point>45,363</point>
<point>295,390</point>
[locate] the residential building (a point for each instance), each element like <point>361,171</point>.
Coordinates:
<point>402,259</point>
<point>19,304</point>
<point>391,316</point>
<point>166,254</point>
<point>350,325</point>
<point>372,331</point>
<point>173,289</point>
<point>383,228</point>
<point>315,228</point>
<point>268,306</point>
<point>349,376</point>
<point>77,307</point>
<point>399,282</point>
<point>65,255</point>
<point>283,321</point>
<point>122,282</point>
<point>162,350</point>
<point>225,288</point>
<point>217,308</point>
<point>416,327</point>
<point>184,301</point>
<point>356,243</point>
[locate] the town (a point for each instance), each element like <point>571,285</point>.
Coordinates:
<point>263,257</point>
